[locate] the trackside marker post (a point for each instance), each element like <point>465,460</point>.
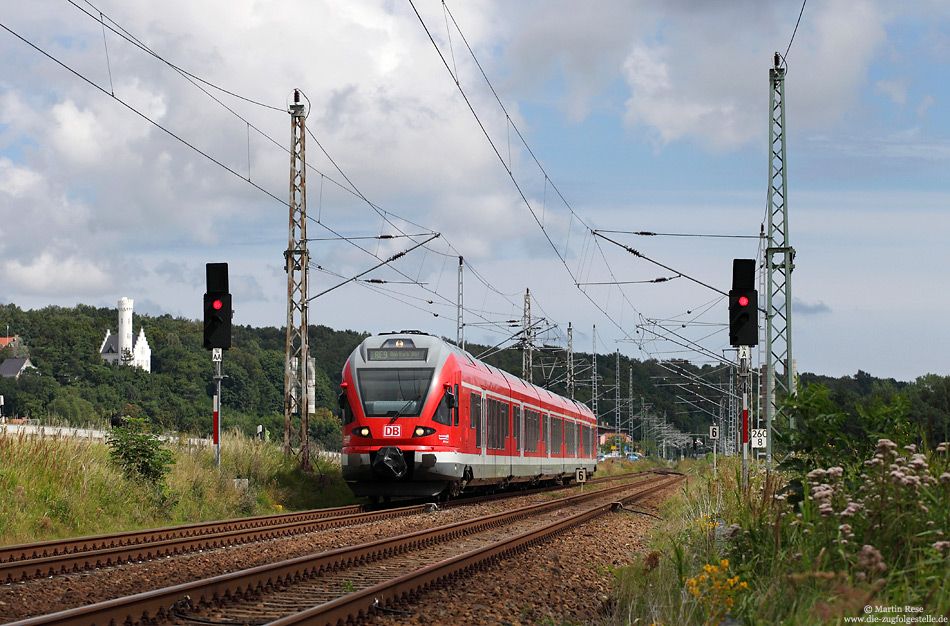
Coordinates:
<point>216,408</point>
<point>746,390</point>
<point>714,435</point>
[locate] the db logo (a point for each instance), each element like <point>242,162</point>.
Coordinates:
<point>392,430</point>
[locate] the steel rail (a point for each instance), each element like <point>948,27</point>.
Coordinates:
<point>63,556</point>
<point>358,605</point>
<point>154,604</point>
<point>25,551</point>
<point>15,571</point>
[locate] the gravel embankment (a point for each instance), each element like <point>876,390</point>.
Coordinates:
<point>565,577</point>
<point>566,581</point>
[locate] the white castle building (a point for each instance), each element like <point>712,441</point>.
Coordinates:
<point>124,348</point>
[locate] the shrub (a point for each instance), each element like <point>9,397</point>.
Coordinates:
<point>138,453</point>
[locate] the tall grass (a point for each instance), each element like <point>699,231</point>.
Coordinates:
<point>52,487</point>
<point>875,533</point>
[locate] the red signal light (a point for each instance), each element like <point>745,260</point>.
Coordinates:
<point>217,304</point>
<point>743,301</point>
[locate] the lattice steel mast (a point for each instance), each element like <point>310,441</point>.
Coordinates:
<point>459,322</point>
<point>570,361</point>
<point>593,377</point>
<point>296,389</point>
<point>779,261</point>
<point>617,400</point>
<point>527,356</point>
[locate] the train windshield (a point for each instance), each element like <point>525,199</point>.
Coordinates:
<point>395,392</point>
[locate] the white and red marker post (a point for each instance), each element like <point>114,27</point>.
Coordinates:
<point>216,407</point>
<point>745,389</point>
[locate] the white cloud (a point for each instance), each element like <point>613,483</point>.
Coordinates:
<point>84,179</point>
<point>17,181</point>
<point>49,274</point>
<point>77,133</point>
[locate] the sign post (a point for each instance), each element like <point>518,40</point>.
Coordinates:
<point>580,475</point>
<point>216,409</point>
<point>744,381</point>
<point>714,435</point>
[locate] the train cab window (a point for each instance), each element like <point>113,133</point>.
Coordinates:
<point>394,392</point>
<point>346,409</point>
<point>443,412</point>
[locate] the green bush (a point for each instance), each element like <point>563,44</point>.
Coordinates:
<point>138,453</point>
<point>868,525</point>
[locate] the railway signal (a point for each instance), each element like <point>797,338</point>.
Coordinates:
<point>217,307</point>
<point>743,304</point>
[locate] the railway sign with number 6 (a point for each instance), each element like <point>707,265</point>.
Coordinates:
<point>714,432</point>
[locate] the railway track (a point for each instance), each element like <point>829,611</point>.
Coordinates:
<point>346,583</point>
<point>64,556</point>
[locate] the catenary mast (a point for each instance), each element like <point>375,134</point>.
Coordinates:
<point>296,389</point>
<point>779,262</point>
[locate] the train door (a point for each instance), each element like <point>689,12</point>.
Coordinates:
<point>545,444</point>
<point>476,422</point>
<point>517,427</point>
<point>507,442</point>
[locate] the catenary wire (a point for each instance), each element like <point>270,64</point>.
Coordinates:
<point>194,147</point>
<point>385,215</point>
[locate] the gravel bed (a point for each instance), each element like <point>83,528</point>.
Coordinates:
<point>565,581</point>
<point>40,597</point>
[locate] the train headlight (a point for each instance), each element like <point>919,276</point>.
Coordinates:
<point>423,431</point>
<point>362,432</point>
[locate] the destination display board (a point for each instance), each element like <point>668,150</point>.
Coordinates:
<point>397,354</point>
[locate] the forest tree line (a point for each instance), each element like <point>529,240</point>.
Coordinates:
<point>72,384</point>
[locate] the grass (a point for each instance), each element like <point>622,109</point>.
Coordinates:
<point>614,467</point>
<point>871,534</point>
<point>52,487</point>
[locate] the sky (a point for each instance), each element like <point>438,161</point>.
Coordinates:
<point>140,141</point>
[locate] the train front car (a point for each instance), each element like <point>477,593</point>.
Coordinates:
<point>400,417</point>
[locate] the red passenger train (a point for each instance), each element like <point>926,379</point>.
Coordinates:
<point>422,417</point>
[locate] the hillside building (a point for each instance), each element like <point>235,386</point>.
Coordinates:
<point>124,348</point>
<point>10,342</point>
<point>12,368</point>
